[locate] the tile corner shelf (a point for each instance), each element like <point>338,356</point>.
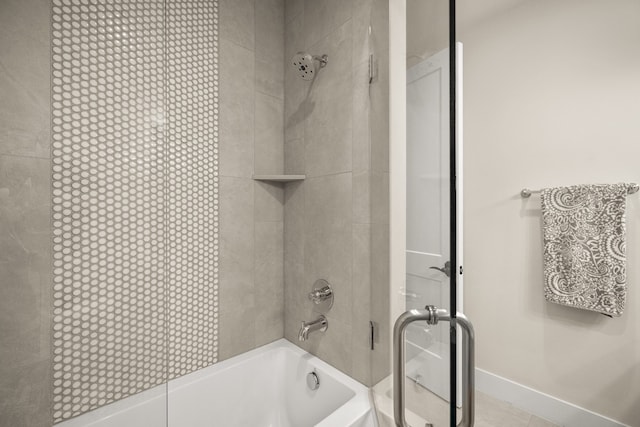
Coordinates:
<point>279,178</point>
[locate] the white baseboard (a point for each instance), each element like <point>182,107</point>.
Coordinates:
<point>558,411</point>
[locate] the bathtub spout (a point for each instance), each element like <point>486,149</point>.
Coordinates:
<point>320,324</point>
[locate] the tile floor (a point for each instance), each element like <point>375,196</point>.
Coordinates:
<point>490,412</point>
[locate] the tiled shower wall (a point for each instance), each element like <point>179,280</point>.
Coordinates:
<point>334,225</point>
<point>336,221</point>
<point>108,192</point>
<point>251,212</point>
<point>135,197</point>
<point>252,233</point>
<point>25,272</point>
<point>251,38</point>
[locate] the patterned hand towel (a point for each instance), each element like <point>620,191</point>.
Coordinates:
<point>584,247</point>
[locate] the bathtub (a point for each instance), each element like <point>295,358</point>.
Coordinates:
<point>265,387</point>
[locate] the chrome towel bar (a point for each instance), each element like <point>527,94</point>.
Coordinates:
<point>631,188</point>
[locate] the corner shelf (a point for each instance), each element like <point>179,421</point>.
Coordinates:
<point>279,178</point>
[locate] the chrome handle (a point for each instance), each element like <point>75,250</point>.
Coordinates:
<point>446,269</point>
<point>468,371</point>
<point>432,316</point>
<point>322,294</point>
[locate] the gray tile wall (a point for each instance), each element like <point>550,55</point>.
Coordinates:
<point>336,221</point>
<point>252,215</point>
<point>135,197</point>
<point>252,38</point>
<point>269,237</point>
<point>111,212</point>
<point>25,319</point>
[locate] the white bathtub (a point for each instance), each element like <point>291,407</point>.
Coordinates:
<point>265,387</point>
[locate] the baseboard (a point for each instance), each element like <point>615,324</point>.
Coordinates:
<point>558,411</point>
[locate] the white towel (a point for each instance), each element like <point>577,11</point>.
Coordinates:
<point>584,247</point>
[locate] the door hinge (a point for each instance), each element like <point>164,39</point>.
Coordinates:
<point>373,69</point>
<point>372,334</point>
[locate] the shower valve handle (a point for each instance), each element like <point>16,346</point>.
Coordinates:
<point>319,295</point>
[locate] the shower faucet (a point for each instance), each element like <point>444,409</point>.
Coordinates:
<point>320,324</point>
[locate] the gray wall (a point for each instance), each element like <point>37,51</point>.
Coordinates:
<point>336,220</point>
<point>251,212</point>
<point>25,394</point>
<point>339,213</point>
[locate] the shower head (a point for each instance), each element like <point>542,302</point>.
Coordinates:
<point>305,64</point>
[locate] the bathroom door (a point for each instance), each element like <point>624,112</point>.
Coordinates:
<point>428,267</point>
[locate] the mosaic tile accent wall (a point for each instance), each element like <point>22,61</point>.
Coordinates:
<point>134,187</point>
<point>192,184</point>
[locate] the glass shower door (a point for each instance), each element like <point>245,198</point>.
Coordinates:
<point>432,358</point>
<point>427,253</point>
<point>428,268</point>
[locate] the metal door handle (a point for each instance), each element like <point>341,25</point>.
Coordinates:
<point>446,269</point>
<point>432,316</point>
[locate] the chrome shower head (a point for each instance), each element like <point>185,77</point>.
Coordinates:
<point>305,64</point>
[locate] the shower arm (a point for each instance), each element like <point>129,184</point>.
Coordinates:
<point>321,59</point>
